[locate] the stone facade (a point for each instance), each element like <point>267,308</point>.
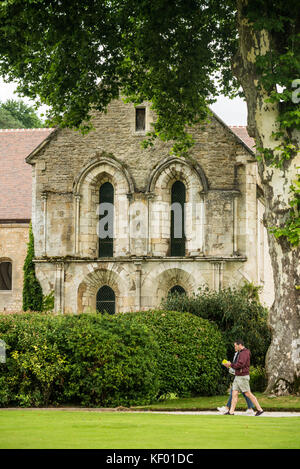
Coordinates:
<point>13,249</point>
<point>221,213</point>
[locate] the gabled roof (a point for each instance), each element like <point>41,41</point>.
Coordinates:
<point>30,156</point>
<point>15,174</point>
<point>16,145</point>
<point>241,132</point>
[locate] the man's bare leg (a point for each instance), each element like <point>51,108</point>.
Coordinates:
<point>234,401</point>
<point>253,399</point>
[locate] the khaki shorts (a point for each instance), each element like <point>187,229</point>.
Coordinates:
<point>241,383</point>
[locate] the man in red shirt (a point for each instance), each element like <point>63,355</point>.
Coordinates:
<point>241,381</point>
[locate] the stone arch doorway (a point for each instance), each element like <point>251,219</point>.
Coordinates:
<point>168,278</point>
<point>116,278</point>
<point>106,300</point>
<point>93,283</point>
<point>177,289</point>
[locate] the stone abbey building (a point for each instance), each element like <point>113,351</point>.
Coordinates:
<point>117,227</point>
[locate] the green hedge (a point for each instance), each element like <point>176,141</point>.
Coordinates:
<point>191,350</point>
<point>237,312</point>
<point>90,360</point>
<point>101,360</point>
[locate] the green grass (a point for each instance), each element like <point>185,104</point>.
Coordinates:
<point>281,403</point>
<point>47,429</point>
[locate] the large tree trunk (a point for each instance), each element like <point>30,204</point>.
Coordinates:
<point>283,357</point>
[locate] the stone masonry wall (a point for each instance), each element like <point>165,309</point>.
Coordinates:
<point>59,163</point>
<point>221,213</point>
<point>215,150</point>
<point>13,248</point>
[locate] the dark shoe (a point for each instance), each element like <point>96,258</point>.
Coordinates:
<point>259,412</point>
<point>228,413</point>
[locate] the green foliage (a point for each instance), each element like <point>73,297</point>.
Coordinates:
<point>48,302</point>
<point>111,362</point>
<point>258,379</point>
<point>32,290</point>
<point>102,360</point>
<point>33,298</point>
<point>7,121</point>
<point>90,360</point>
<point>191,350</point>
<point>278,72</point>
<point>76,56</point>
<point>291,229</point>
<point>33,362</point>
<point>237,313</point>
<point>18,115</point>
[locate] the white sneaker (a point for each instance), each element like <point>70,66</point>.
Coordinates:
<point>250,412</point>
<point>222,409</point>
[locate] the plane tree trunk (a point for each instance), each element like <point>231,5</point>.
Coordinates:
<point>283,357</point>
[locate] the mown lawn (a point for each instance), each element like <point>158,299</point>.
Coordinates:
<point>49,429</point>
<point>280,403</point>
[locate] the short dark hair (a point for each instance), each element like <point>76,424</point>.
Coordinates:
<point>239,342</point>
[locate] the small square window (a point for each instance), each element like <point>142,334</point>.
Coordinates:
<point>140,119</point>
<point>5,276</point>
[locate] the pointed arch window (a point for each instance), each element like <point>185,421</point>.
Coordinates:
<point>106,300</point>
<point>178,194</point>
<point>106,220</point>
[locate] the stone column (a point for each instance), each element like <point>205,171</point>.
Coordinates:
<point>221,271</point>
<point>77,224</point>
<point>202,221</point>
<point>129,196</point>
<point>218,275</point>
<point>149,197</point>
<point>44,203</point>
<point>138,285</point>
<point>59,290</point>
<point>235,248</point>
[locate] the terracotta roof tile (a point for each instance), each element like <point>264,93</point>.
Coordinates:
<point>15,174</point>
<point>241,132</point>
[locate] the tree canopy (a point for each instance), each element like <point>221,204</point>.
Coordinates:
<point>77,56</point>
<point>179,55</point>
<point>8,121</point>
<point>18,115</point>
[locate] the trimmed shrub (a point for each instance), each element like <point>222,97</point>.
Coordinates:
<point>237,312</point>
<point>102,360</point>
<point>88,359</point>
<point>191,350</point>
<point>110,362</point>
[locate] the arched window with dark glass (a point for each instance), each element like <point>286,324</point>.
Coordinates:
<point>177,219</point>
<point>106,220</point>
<point>5,275</point>
<point>177,289</point>
<point>106,300</point>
